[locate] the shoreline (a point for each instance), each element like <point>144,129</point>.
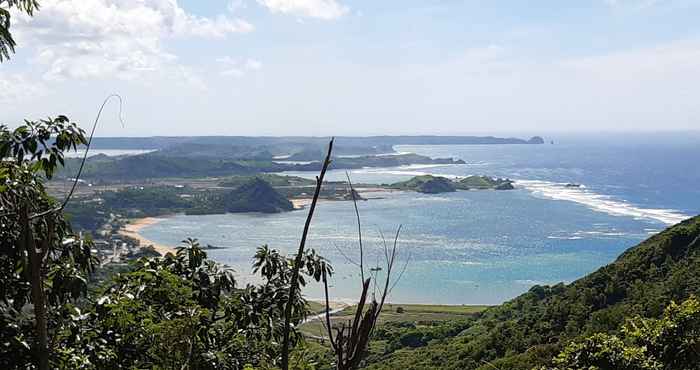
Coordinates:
<point>134,226</point>
<point>132,230</point>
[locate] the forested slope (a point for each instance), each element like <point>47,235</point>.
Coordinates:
<point>533,328</point>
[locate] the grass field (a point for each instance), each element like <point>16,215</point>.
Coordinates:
<point>415,313</point>
<point>316,307</point>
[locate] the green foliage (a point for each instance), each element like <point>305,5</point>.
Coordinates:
<point>436,184</point>
<point>7,43</point>
<point>39,254</point>
<point>256,195</point>
<point>146,201</point>
<point>400,335</point>
<point>185,309</point>
<point>483,182</point>
<point>44,141</point>
<point>86,215</point>
<point>426,184</point>
<point>272,179</point>
<point>531,329</point>
<point>251,195</point>
<point>176,164</point>
<point>669,343</point>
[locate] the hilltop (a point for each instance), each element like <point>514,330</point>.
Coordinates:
<point>426,184</point>
<point>199,162</point>
<point>281,145</point>
<point>529,330</point>
<point>430,184</point>
<point>256,195</point>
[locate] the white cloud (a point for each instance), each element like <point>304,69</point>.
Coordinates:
<point>104,38</point>
<point>236,67</point>
<point>322,9</point>
<point>16,88</point>
<point>680,59</point>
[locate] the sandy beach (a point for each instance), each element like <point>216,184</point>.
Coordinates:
<point>133,228</point>
<point>301,203</point>
<point>368,193</point>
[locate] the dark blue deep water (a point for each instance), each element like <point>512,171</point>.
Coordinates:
<point>474,247</point>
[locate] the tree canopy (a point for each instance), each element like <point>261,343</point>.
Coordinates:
<point>7,42</point>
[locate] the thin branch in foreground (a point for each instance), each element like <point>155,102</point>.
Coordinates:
<point>351,338</point>
<point>293,286</point>
<point>347,258</point>
<point>359,227</point>
<point>390,266</point>
<point>84,159</point>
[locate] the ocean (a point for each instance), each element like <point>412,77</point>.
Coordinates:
<point>481,247</point>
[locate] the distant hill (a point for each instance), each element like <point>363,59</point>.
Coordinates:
<point>484,182</point>
<point>280,145</point>
<point>532,328</point>
<point>256,195</point>
<point>437,184</point>
<point>426,184</point>
<point>177,163</point>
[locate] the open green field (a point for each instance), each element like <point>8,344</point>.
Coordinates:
<point>415,313</point>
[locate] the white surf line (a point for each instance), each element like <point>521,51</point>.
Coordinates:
<point>405,170</point>
<point>323,315</point>
<point>599,202</point>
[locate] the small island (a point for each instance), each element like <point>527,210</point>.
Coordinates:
<point>429,184</point>
<point>484,183</point>
<point>256,195</point>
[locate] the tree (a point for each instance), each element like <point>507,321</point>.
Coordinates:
<point>42,263</point>
<point>669,343</point>
<point>185,311</point>
<point>7,42</point>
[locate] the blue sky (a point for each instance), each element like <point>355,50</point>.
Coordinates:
<point>342,67</point>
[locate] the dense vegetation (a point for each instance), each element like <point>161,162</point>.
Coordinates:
<point>272,179</point>
<point>483,182</point>
<point>256,195</point>
<point>437,184</point>
<point>178,311</point>
<point>182,310</point>
<point>43,264</point>
<point>533,328</point>
<point>185,311</point>
<point>426,184</point>
<point>248,194</point>
<point>345,145</point>
<point>180,163</point>
<point>670,342</point>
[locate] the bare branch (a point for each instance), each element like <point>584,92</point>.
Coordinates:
<point>84,159</point>
<point>295,271</point>
<point>390,266</point>
<point>403,269</point>
<point>359,227</point>
<point>328,312</point>
<point>347,258</point>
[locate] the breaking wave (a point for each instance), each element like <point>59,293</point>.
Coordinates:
<point>599,202</point>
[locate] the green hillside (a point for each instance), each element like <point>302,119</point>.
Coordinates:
<point>483,182</point>
<point>531,329</point>
<point>426,184</point>
<point>256,195</point>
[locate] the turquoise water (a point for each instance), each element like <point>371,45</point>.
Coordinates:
<point>481,247</point>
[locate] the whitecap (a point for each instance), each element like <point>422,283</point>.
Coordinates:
<point>599,202</point>
<point>529,282</point>
<point>406,170</point>
<point>434,199</point>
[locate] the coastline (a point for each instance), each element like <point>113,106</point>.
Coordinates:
<point>132,230</point>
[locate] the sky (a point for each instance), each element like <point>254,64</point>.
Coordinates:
<point>358,67</point>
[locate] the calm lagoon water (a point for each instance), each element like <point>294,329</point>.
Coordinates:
<point>482,247</point>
